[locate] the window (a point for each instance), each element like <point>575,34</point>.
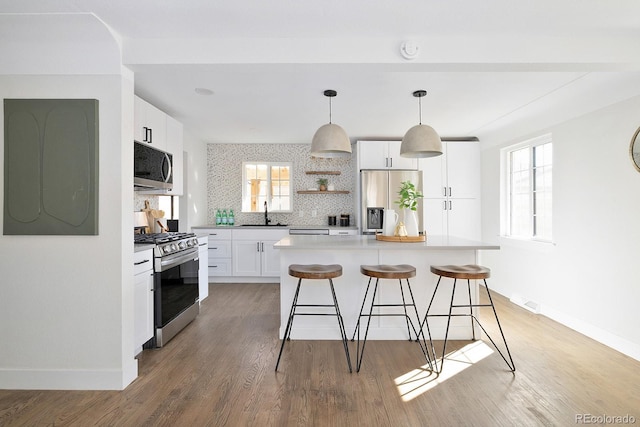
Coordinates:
<point>170,205</point>
<point>529,189</point>
<point>266,182</point>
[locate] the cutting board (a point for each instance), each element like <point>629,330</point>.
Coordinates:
<point>150,219</point>
<point>402,239</point>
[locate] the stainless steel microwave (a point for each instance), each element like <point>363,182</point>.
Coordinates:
<point>152,168</point>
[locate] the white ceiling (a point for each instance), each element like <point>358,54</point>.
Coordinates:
<point>489,66</point>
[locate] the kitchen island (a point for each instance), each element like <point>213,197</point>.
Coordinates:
<point>353,251</point>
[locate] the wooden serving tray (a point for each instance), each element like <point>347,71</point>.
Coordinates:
<point>402,239</point>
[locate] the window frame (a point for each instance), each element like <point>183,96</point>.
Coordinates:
<point>506,189</point>
<point>246,198</point>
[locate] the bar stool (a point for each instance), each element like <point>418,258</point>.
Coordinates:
<point>315,271</point>
<point>468,272</point>
<point>403,271</point>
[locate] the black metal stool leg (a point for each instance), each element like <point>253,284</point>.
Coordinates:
<point>404,306</point>
<point>425,323</point>
<point>425,349</point>
<point>343,332</point>
<point>511,365</point>
<point>287,330</point>
<point>364,300</point>
<point>446,333</point>
<point>473,330</point>
<point>359,352</point>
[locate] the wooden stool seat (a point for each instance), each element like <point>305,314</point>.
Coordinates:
<point>471,272</point>
<point>315,271</point>
<point>402,271</point>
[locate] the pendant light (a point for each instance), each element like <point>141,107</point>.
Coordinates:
<point>421,140</point>
<point>330,140</point>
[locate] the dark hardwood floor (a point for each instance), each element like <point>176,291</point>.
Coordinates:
<point>220,372</point>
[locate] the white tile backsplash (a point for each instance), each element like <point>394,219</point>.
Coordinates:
<point>224,182</point>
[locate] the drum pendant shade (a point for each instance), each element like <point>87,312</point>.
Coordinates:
<point>421,140</point>
<point>330,140</point>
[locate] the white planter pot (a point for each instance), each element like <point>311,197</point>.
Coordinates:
<point>411,222</point>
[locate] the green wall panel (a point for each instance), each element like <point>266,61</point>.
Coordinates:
<point>50,167</point>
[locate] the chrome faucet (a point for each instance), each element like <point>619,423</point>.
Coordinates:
<point>266,215</point>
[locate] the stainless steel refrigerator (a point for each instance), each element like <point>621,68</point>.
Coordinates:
<point>379,190</point>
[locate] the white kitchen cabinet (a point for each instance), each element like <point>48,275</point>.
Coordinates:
<point>149,124</point>
<point>253,253</point>
<point>154,127</point>
<point>456,173</point>
<point>451,187</point>
<point>452,217</point>
<point>219,250</point>
<point>383,155</point>
<point>142,298</point>
<point>203,267</point>
<point>174,137</point>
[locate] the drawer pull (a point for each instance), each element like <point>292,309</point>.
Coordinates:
<point>140,262</point>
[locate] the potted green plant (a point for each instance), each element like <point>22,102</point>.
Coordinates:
<point>408,196</point>
<point>408,201</point>
<point>322,183</point>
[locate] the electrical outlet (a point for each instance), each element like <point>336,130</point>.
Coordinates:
<point>314,213</point>
<point>301,214</point>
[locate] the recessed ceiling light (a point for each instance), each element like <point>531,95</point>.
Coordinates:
<point>203,91</point>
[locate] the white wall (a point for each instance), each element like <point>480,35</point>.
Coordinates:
<point>588,278</point>
<point>66,302</point>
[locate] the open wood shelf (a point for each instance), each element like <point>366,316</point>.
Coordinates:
<point>323,192</point>
<point>323,172</point>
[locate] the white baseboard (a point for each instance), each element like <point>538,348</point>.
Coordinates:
<point>62,379</point>
<point>617,343</point>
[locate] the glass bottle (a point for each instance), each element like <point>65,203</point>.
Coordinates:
<point>225,219</point>
<point>232,218</point>
<point>218,217</point>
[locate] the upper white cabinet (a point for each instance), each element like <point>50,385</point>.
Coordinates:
<point>149,124</point>
<point>153,126</point>
<point>451,188</point>
<point>454,174</point>
<point>383,155</point>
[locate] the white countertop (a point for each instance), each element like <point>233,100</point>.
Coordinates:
<point>269,227</point>
<point>139,247</point>
<point>369,242</point>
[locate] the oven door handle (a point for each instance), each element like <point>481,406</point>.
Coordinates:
<point>180,259</point>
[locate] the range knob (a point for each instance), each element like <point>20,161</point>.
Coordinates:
<point>181,245</point>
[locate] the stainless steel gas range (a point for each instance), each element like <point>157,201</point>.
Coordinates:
<point>175,279</point>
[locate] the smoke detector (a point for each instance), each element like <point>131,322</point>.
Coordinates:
<point>409,49</point>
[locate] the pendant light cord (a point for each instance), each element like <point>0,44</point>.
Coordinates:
<point>329,110</point>
<point>420,108</point>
